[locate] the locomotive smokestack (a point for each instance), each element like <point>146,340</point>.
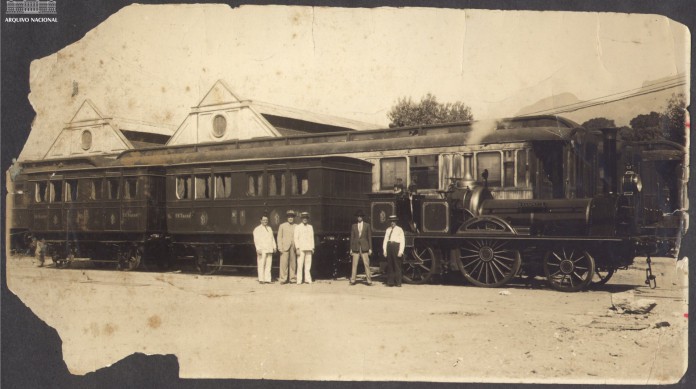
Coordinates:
<point>610,159</point>
<point>468,170</point>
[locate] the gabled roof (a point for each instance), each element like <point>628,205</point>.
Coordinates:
<point>298,114</point>
<point>106,135</point>
<point>248,119</point>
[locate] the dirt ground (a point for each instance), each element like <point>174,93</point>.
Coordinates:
<point>229,326</point>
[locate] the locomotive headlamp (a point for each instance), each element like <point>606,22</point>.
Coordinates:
<point>631,182</point>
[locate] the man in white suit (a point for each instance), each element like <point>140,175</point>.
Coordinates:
<point>265,247</point>
<point>304,244</point>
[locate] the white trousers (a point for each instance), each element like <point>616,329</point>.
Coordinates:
<point>263,265</point>
<point>304,260</point>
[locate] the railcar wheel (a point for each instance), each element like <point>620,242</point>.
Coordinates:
<point>568,270</point>
<point>602,275</point>
<point>209,263</point>
<point>131,259</point>
<point>59,261</point>
<point>488,263</point>
<point>419,264</point>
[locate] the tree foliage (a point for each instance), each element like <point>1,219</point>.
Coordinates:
<point>674,118</point>
<point>598,123</point>
<point>428,111</point>
<point>644,127</point>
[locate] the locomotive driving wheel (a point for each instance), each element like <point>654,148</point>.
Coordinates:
<point>568,270</point>
<point>488,262</point>
<point>209,261</point>
<point>419,264</point>
<point>602,275</point>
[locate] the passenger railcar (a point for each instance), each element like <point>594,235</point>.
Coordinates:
<point>87,207</point>
<point>213,206</point>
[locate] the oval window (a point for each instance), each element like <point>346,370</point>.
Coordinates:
<point>86,139</point>
<point>219,126</point>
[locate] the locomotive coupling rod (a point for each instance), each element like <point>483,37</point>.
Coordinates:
<point>650,279</point>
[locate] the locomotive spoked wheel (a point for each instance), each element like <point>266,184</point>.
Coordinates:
<point>488,263</point>
<point>419,264</point>
<point>131,259</point>
<point>209,263</point>
<point>602,275</point>
<point>568,270</point>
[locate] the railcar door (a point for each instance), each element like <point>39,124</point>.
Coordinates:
<point>112,201</point>
<point>55,204</point>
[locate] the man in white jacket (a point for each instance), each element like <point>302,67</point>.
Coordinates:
<point>304,243</point>
<point>393,248</point>
<point>265,247</point>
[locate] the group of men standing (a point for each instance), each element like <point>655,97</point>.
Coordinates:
<point>296,245</point>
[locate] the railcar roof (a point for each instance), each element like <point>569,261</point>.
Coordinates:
<point>373,140</point>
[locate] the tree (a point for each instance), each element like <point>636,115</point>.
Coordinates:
<point>428,111</point>
<point>598,123</point>
<point>644,127</point>
<point>674,118</point>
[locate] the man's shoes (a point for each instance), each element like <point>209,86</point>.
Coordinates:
<point>352,283</point>
<point>369,284</point>
<point>284,282</point>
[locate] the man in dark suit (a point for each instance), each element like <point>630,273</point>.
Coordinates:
<point>361,246</point>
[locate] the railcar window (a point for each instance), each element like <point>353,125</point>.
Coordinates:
<point>509,179</point>
<point>488,161</point>
<point>41,192</point>
<point>255,181</point>
<point>522,167</point>
<point>95,186</point>
<point>130,188</point>
<point>112,189</point>
<point>204,186</point>
<point>424,171</point>
<point>70,190</point>
<point>276,184</point>
<point>56,191</point>
<point>223,186</point>
<point>300,183</point>
<point>391,169</point>
<point>183,187</point>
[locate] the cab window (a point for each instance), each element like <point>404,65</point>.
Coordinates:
<point>390,170</point>
<point>488,161</point>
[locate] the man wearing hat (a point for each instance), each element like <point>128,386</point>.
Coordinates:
<point>304,244</point>
<point>361,246</point>
<point>393,248</point>
<point>286,246</point>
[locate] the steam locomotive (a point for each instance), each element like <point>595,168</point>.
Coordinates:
<point>535,195</point>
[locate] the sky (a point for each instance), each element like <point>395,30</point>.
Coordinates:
<point>154,62</point>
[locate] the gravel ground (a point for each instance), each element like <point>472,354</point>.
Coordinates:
<point>229,326</point>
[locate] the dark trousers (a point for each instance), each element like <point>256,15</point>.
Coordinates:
<point>393,264</point>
